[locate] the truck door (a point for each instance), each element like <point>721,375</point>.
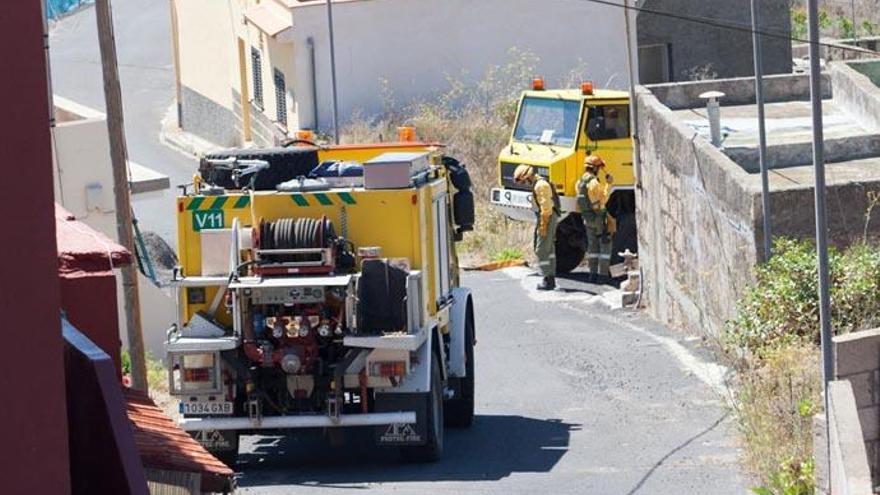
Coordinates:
<point>608,135</point>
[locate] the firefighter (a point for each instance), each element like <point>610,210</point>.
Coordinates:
<point>547,210</point>
<point>592,195</point>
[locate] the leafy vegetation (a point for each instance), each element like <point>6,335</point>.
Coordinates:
<point>508,254</point>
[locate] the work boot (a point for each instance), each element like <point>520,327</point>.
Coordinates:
<point>549,283</point>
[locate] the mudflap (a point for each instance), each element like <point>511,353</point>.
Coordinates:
<point>402,435</point>
<point>217,440</point>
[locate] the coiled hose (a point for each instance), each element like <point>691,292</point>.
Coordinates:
<point>295,233</point>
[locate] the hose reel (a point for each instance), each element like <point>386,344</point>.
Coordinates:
<point>295,245</point>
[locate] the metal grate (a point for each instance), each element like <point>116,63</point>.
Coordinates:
<point>257,75</point>
<point>280,97</point>
<point>507,181</point>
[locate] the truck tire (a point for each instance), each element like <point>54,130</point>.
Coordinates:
<point>571,243</point>
<point>433,448</point>
<point>625,238</point>
<point>459,411</point>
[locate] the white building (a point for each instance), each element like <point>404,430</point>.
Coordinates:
<point>259,69</point>
<point>83,180</point>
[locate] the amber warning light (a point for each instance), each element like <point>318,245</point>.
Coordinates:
<point>538,84</point>
<point>587,87</point>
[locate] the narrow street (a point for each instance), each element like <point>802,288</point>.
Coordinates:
<point>572,398</point>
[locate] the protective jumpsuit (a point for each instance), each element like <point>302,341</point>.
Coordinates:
<point>547,209</point>
<point>591,197</point>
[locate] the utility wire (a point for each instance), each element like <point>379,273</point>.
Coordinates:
<point>709,21</point>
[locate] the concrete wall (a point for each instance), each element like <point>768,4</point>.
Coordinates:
<point>81,164</point>
<point>83,175</point>
<point>850,474</point>
<point>696,223</point>
<point>855,86</point>
<point>724,52</point>
<point>413,45</point>
<point>857,360</point>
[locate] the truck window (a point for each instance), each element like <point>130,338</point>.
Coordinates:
<point>551,120</point>
<point>608,122</point>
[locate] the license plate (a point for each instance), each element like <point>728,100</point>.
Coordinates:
<point>520,199</point>
<point>206,407</point>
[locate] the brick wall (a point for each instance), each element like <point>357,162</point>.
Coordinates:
<point>857,359</point>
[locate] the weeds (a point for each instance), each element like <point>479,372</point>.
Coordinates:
<point>508,254</point>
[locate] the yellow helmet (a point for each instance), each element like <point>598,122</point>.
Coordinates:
<point>523,173</point>
<point>594,162</point>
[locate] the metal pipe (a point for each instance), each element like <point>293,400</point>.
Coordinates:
<point>762,134</point>
<point>821,234</point>
<point>333,71</point>
<point>292,422</point>
<point>634,108</point>
<point>312,67</point>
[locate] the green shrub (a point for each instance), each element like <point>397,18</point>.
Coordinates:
<point>508,254</point>
<point>783,305</point>
<point>792,478</point>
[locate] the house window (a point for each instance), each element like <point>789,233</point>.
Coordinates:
<point>257,75</point>
<point>280,97</point>
<point>654,66</point>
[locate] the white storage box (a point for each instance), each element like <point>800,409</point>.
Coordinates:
<point>394,170</point>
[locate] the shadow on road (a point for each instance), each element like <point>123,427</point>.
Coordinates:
<point>493,448</point>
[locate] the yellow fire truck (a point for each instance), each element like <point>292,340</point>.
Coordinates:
<point>555,130</point>
<point>318,288</point>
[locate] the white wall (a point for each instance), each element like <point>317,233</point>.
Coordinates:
<point>416,44</point>
<point>82,159</point>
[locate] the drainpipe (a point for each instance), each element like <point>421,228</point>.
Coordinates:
<point>310,42</point>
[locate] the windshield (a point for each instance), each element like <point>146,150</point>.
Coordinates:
<point>548,121</point>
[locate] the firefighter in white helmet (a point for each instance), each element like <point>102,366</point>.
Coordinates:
<point>547,210</point>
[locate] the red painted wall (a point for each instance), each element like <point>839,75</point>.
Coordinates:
<point>89,301</point>
<point>34,426</point>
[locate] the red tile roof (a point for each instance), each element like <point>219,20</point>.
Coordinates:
<point>82,249</point>
<point>164,445</point>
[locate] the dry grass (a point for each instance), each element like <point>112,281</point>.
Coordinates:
<point>778,394</point>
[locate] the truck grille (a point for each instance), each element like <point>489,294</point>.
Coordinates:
<point>507,181</point>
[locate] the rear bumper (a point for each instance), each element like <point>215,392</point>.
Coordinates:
<point>294,422</point>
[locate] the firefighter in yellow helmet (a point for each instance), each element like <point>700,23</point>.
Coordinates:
<point>592,196</point>
<point>547,210</point>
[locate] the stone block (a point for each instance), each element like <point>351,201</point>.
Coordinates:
<point>857,352</point>
<point>864,387</point>
<point>869,418</point>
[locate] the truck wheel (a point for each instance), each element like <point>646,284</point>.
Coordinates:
<point>625,238</point>
<point>433,448</point>
<point>459,410</point>
<point>571,243</point>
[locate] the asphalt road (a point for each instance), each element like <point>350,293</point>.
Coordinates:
<point>572,398</point>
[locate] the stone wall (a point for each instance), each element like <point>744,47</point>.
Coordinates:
<point>857,360</point>
<point>207,119</point>
<point>696,223</point>
<point>850,473</point>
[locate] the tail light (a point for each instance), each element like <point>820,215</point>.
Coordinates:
<point>198,373</point>
<point>388,369</point>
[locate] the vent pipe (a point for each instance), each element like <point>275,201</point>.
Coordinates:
<point>713,111</point>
